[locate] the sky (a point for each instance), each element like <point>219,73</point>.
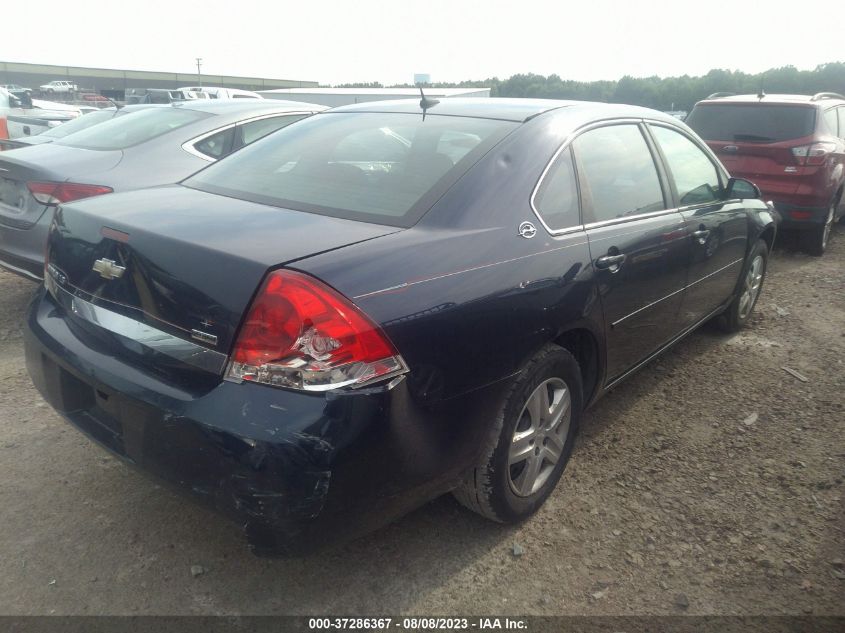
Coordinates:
<point>344,41</point>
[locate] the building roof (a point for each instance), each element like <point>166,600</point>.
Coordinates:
<point>15,72</point>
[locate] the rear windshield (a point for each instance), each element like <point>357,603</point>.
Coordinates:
<point>80,123</point>
<point>132,129</point>
<point>755,123</point>
<point>387,168</point>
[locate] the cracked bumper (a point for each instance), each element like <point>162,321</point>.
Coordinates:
<point>298,471</point>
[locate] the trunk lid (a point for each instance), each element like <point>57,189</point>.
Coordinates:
<point>192,260</point>
<point>48,162</point>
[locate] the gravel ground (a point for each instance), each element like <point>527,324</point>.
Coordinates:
<point>709,483</point>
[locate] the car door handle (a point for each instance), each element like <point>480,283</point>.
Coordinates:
<point>701,235</point>
<point>610,262</point>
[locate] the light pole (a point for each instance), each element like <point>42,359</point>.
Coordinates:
<point>199,76</point>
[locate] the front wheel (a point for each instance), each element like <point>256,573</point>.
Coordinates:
<point>530,441</point>
<point>751,283</point>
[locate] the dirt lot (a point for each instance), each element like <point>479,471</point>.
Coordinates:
<point>709,483</point>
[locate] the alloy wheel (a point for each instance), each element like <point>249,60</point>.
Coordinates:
<point>751,286</point>
<point>539,438</point>
<point>828,225</point>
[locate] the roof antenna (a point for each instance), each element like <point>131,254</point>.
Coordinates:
<point>426,103</point>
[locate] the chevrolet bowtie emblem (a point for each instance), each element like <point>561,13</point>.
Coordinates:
<point>108,269</point>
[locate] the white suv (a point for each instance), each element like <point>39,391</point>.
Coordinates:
<point>58,86</point>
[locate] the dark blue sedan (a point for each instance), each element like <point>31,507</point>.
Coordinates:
<point>386,302</point>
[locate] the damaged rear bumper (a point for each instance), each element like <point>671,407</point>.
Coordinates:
<point>285,465</point>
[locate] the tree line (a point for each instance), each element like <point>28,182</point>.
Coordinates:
<point>661,93</point>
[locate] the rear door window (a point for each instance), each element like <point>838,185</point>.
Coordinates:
<point>618,173</point>
<point>132,129</point>
<point>752,123</point>
<point>696,177</point>
<point>556,199</point>
<point>217,145</point>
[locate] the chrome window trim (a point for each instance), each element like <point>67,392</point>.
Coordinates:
<point>143,334</point>
<point>564,146</point>
<point>628,218</point>
<point>188,146</point>
<point>640,216</point>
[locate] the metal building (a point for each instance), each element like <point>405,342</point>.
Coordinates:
<point>113,83</point>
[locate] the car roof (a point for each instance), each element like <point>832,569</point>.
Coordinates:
<point>820,99</point>
<point>507,109</point>
<point>479,107</point>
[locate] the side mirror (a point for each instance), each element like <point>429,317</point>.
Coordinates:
<point>742,189</point>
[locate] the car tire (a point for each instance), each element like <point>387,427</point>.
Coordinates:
<point>748,292</point>
<point>528,445</point>
<point>815,241</point>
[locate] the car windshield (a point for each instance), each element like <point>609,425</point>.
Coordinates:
<point>751,123</point>
<point>132,129</point>
<point>376,167</point>
<point>79,123</point>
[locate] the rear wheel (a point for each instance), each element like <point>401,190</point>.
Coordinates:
<point>815,241</point>
<point>753,276</point>
<point>530,442</point>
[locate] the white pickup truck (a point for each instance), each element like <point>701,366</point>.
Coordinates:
<point>59,87</point>
<point>22,116</point>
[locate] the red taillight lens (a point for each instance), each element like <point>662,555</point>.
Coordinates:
<point>801,215</point>
<point>58,192</point>
<point>300,333</point>
<point>815,154</point>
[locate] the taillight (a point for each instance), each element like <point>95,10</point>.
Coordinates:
<point>801,215</point>
<point>57,192</point>
<point>301,334</point>
<point>814,154</point>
